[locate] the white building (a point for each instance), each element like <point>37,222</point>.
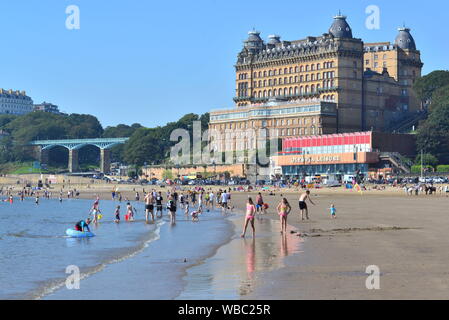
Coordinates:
<point>15,102</point>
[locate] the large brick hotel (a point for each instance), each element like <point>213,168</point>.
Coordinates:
<point>321,85</point>
<point>333,83</point>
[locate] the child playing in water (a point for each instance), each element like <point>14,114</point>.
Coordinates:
<point>186,205</point>
<point>117,215</point>
<point>130,211</point>
<point>333,212</point>
<point>196,213</point>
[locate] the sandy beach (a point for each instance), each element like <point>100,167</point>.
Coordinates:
<point>405,236</point>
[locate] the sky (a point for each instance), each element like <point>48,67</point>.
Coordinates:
<point>151,62</point>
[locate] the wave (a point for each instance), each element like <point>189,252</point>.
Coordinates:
<point>48,287</point>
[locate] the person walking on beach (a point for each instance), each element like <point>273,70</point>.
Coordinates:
<point>250,215</point>
<point>333,212</point>
<point>284,209</point>
<point>224,201</point>
<point>303,205</point>
<point>159,200</point>
<point>117,214</point>
<point>149,206</point>
<point>171,206</point>
<point>259,203</point>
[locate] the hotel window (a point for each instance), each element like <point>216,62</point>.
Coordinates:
<point>282,122</point>
<point>296,69</point>
<point>260,74</point>
<point>376,57</point>
<point>301,69</point>
<point>307,68</point>
<point>290,79</point>
<point>275,92</point>
<point>307,77</point>
<point>280,71</point>
<point>385,57</point>
<point>367,62</point>
<point>301,79</point>
<point>255,84</point>
<point>280,80</point>
<point>307,89</point>
<point>269,73</point>
<point>255,74</point>
<point>288,132</point>
<point>290,70</point>
<point>264,73</point>
<point>385,64</point>
<point>275,82</point>
<point>294,131</point>
<point>313,77</point>
<point>265,83</point>
<point>288,122</point>
<point>285,70</point>
<point>269,82</point>
<point>285,80</point>
<point>313,88</point>
<point>305,131</point>
<point>275,72</point>
<point>318,66</point>
<point>260,83</point>
<point>269,93</point>
<point>318,76</point>
<point>296,90</point>
<point>296,79</point>
<point>376,64</point>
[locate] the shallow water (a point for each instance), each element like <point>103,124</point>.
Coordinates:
<point>34,251</point>
<point>234,270</point>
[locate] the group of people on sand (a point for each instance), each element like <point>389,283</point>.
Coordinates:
<point>283,209</point>
<point>154,206</point>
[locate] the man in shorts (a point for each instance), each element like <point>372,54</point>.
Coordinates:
<point>149,206</point>
<point>303,205</point>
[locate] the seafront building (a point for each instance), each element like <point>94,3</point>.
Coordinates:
<point>47,107</point>
<point>15,102</point>
<point>371,154</point>
<point>328,84</point>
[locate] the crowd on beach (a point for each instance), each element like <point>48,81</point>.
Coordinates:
<point>193,203</point>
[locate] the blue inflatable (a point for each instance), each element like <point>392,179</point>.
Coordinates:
<point>79,234</point>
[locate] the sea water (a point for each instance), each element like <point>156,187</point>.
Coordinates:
<point>130,260</point>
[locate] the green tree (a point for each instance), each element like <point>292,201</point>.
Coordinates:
<point>427,160</point>
<point>424,87</point>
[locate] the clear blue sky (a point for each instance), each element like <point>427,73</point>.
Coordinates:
<point>153,61</point>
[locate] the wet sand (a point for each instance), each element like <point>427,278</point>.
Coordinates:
<point>406,237</point>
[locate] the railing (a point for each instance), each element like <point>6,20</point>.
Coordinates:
<point>397,160</point>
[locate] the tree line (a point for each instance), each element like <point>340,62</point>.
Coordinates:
<point>149,145</point>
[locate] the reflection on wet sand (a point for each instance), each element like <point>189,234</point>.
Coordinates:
<point>235,269</point>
